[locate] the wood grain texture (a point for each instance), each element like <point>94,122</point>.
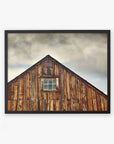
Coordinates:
<point>26,92</point>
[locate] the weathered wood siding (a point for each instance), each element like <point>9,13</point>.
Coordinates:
<point>25,93</point>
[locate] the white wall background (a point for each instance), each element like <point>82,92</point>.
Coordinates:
<point>54,129</point>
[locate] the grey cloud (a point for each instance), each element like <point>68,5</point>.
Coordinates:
<point>86,52</point>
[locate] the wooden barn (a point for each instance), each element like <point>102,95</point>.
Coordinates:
<point>50,86</point>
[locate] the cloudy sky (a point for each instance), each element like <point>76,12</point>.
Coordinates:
<point>83,53</point>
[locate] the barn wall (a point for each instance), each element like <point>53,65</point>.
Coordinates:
<point>26,93</point>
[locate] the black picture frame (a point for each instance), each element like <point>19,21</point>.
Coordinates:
<point>6,32</point>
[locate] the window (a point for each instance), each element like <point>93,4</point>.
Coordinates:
<point>49,84</point>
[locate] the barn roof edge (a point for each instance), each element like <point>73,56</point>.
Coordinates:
<point>48,56</point>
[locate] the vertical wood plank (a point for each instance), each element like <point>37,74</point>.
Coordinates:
<point>14,101</point>
<point>61,88</point>
<point>29,90</point>
<point>68,85</point>
<point>65,90</point>
<point>77,94</point>
<point>27,105</point>
<point>90,108</point>
<point>9,105</point>
<point>34,104</point>
<point>27,87</point>
<point>56,69</point>
<point>44,105</point>
<point>41,105</point>
<point>84,100</point>
<point>36,91</point>
<point>14,105</point>
<point>80,98</point>
<point>47,103</point>
<point>73,105</point>
<point>24,96</point>
<point>98,102</point>
<point>102,103</point>
<point>51,105</point>
<point>21,93</point>
<point>105,104</point>
<point>69,105</point>
<point>94,100</point>
<point>10,91</point>
<point>58,105</point>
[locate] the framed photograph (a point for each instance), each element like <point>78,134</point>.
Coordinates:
<point>57,71</point>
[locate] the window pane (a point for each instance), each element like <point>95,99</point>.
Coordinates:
<point>50,87</point>
<point>54,80</point>
<point>45,81</point>
<point>45,87</point>
<point>50,82</point>
<point>54,87</point>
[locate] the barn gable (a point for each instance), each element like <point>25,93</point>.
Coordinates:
<point>50,86</point>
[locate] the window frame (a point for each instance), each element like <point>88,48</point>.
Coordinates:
<point>50,83</point>
<point>57,83</point>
